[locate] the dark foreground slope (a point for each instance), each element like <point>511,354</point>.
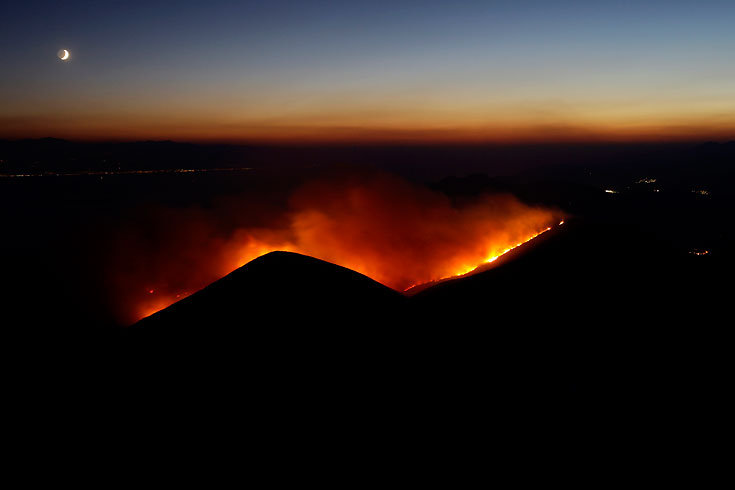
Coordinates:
<point>582,333</point>
<point>282,291</point>
<point>610,310</point>
<point>584,311</point>
<point>290,326</point>
<point>281,318</point>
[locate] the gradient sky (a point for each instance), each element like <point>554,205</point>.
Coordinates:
<point>276,70</point>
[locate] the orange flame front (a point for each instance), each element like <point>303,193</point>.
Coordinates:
<point>396,233</point>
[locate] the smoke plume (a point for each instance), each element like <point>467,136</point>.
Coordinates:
<point>396,232</point>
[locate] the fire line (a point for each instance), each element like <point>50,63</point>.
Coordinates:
<point>487,261</point>
<point>164,302</point>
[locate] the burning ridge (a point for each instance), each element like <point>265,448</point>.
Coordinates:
<point>394,232</point>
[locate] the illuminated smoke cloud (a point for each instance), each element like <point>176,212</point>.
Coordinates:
<point>395,232</point>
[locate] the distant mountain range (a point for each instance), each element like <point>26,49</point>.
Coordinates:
<point>58,155</point>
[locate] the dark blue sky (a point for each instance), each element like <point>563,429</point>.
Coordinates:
<point>249,69</point>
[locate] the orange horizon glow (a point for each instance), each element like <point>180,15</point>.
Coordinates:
<point>338,135</point>
<point>435,118</point>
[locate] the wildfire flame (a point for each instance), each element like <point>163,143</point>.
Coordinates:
<point>396,233</point>
<point>489,260</point>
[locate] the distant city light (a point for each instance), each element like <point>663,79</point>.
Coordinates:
<point>126,172</point>
<point>611,191</point>
<point>646,180</point>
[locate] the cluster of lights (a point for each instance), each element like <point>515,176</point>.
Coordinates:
<point>127,172</point>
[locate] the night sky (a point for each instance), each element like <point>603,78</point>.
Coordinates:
<point>498,71</point>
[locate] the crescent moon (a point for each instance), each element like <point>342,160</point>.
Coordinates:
<point>66,55</point>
